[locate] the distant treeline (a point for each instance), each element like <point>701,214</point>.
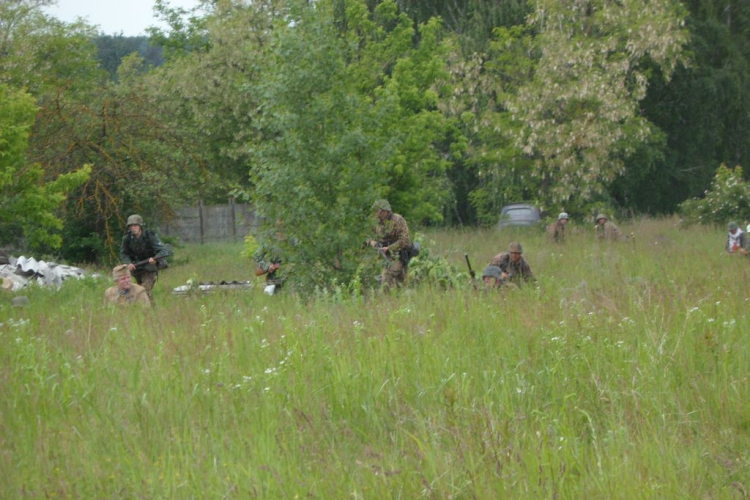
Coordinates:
<point>113,48</point>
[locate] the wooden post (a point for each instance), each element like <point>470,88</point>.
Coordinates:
<point>234,218</point>
<point>200,216</point>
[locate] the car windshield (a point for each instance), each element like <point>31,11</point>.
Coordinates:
<point>519,213</point>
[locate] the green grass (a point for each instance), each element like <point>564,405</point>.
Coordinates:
<point>624,375</point>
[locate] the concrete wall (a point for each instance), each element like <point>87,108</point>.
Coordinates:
<point>207,223</point>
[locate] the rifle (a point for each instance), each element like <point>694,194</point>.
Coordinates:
<point>160,262</point>
<point>471,271</point>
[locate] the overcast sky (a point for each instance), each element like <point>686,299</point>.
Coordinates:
<point>131,17</point>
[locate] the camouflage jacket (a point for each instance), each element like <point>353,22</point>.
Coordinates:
<point>518,272</point>
<point>393,233</point>
<point>133,250</point>
<point>136,295</point>
<point>556,232</point>
<point>263,258</point>
<point>608,232</point>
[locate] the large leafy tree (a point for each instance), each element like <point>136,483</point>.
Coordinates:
<point>580,110</point>
<point>27,205</point>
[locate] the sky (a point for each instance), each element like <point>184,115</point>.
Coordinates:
<point>131,17</point>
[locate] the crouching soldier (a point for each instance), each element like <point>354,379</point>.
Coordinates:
<point>392,239</point>
<point>514,268</point>
<point>269,264</point>
<point>142,250</point>
<point>124,292</point>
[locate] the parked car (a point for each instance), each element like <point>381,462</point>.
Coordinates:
<point>519,214</point>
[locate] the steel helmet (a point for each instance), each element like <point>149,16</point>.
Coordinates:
<point>515,247</point>
<point>135,220</point>
<point>563,215</point>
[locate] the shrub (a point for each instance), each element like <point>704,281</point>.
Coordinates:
<point>727,199</point>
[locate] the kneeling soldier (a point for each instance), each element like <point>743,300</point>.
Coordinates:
<point>513,266</point>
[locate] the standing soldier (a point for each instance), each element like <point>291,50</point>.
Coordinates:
<point>556,230</point>
<point>606,230</point>
<point>393,241</point>
<point>142,247</point>
<point>514,267</point>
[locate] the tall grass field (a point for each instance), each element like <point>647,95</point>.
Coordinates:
<point>623,374</point>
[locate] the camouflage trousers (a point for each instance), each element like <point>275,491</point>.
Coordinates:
<point>394,274</point>
<point>147,279</point>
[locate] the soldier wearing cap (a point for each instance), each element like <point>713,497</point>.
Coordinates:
<point>736,240</point>
<point>606,230</point>
<point>556,230</point>
<point>142,247</point>
<point>124,292</point>
<point>392,239</point>
<point>513,266</point>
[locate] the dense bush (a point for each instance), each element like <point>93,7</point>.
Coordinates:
<point>727,199</point>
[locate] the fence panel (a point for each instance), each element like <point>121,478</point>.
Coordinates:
<point>207,223</point>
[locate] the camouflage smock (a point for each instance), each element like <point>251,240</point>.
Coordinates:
<point>518,272</point>
<point>608,232</point>
<point>136,295</point>
<point>392,232</point>
<point>556,232</point>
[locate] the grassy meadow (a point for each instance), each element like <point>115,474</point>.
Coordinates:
<point>624,374</point>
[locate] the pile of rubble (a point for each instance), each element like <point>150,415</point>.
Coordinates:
<point>16,273</point>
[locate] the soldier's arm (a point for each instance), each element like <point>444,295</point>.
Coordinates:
<point>403,240</point>
<point>260,261</point>
<point>528,275</point>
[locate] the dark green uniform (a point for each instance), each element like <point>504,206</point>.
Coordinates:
<point>134,250</point>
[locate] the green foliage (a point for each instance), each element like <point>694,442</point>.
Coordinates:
<point>727,200</point>
<point>27,204</point>
<point>344,135</point>
<point>249,247</point>
<point>434,270</point>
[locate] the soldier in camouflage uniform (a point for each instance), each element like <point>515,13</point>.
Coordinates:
<point>515,269</point>
<point>124,292</point>
<point>606,230</point>
<point>393,241</point>
<point>556,231</point>
<point>140,245</point>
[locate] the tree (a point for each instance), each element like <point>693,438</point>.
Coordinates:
<point>349,113</point>
<point>27,205</point>
<point>580,111</point>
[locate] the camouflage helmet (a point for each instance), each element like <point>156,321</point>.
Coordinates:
<point>515,247</point>
<point>135,220</point>
<point>382,205</point>
<point>600,217</point>
<point>733,226</point>
<point>563,215</point>
<point>493,272</point>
